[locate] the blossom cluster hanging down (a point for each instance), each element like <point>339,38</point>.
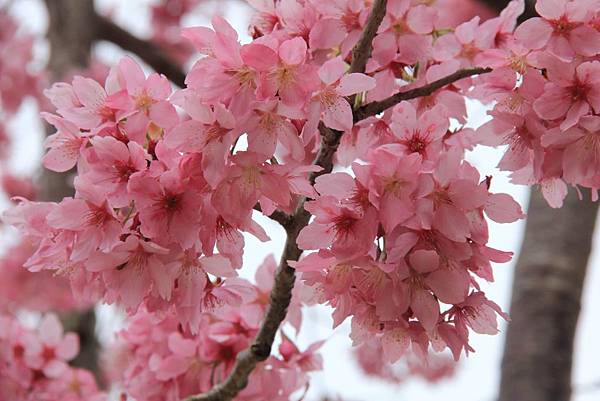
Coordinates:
<point>155,360</point>
<point>168,181</point>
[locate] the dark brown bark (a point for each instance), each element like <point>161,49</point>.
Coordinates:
<point>546,300</point>
<point>71,34</point>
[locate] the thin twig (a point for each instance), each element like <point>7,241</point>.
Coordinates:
<point>362,50</point>
<point>374,108</point>
<point>150,53</point>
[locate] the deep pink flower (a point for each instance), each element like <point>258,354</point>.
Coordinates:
<point>572,92</point>
<point>167,209</point>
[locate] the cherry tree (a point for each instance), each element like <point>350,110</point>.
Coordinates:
<point>346,123</point>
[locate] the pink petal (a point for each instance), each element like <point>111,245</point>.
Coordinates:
<point>425,308</point>
<point>554,191</point>
<point>326,33</point>
<point>181,346</point>
<point>585,40</point>
<point>551,9</point>
<point>89,92</point>
<point>315,236</point>
<point>293,51</point>
<point>332,70</point>
<point>338,115</point>
<point>163,114</point>
<point>502,208</point>
<point>554,103</point>
<point>424,261</point>
<point>452,223</point>
<point>259,57</point>
<point>450,285</point>
<point>218,265</point>
<point>171,367</point>
<point>55,368</point>
<point>534,33</point>
<point>355,83</point>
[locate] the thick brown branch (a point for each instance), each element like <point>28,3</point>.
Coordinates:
<point>374,108</point>
<point>147,51</point>
<point>362,50</point>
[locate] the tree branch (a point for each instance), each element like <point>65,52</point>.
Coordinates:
<point>285,276</point>
<point>362,50</point>
<point>374,108</point>
<point>150,53</point>
<point>281,294</point>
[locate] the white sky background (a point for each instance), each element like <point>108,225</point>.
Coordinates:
<point>477,377</point>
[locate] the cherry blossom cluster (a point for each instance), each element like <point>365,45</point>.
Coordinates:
<point>404,236</point>
<point>34,363</point>
<point>546,86</point>
<point>168,181</point>
<point>155,359</point>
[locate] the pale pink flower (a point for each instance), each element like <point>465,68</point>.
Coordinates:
<point>562,29</point>
<point>148,95</point>
<point>51,351</point>
<point>91,217</point>
<point>168,211</point>
<point>111,164</point>
<point>65,145</point>
<point>329,101</point>
<point>572,92</point>
<point>285,71</point>
<point>404,35</point>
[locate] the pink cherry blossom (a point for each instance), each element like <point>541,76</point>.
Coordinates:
<point>573,91</point>
<point>65,145</point>
<point>330,100</point>
<point>562,29</point>
<point>50,352</point>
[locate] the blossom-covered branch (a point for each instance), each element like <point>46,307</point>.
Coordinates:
<point>285,276</point>
<point>374,108</point>
<point>397,244</point>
